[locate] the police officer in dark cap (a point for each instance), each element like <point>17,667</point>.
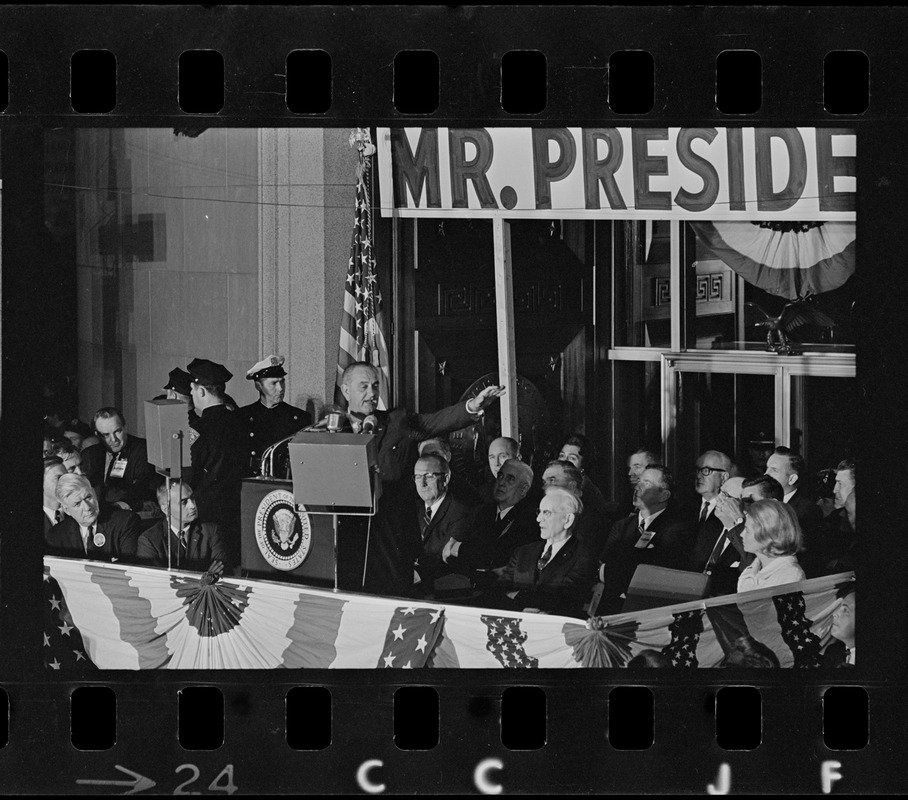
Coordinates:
<point>179,385</point>
<point>217,451</point>
<point>270,419</point>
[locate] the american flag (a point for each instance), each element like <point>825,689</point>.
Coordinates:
<point>506,642</point>
<point>796,633</point>
<point>63,646</point>
<point>685,630</point>
<point>362,335</point>
<point>411,637</point>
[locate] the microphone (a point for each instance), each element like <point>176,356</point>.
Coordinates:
<point>333,420</point>
<point>370,423</point>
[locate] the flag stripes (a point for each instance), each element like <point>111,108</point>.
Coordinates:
<point>362,327</point>
<point>132,617</point>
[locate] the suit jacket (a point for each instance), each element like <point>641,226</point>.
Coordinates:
<point>808,512</point>
<point>138,481</point>
<point>398,433</point>
<point>450,520</point>
<point>815,542</point>
<point>563,586</point>
<point>490,544</point>
<point>670,547</point>
<point>389,568</point>
<point>203,546</point>
<point>726,570</point>
<point>736,537</point>
<point>120,529</point>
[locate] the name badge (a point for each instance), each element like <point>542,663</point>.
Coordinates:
<point>119,468</point>
<point>645,539</point>
<point>99,540</point>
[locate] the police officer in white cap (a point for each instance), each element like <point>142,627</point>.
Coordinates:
<point>269,419</point>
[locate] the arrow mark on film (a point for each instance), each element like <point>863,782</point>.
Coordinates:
<point>139,784</point>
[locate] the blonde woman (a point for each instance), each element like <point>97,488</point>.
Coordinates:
<point>773,535</point>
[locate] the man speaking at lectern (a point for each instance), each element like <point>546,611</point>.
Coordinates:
<point>390,567</point>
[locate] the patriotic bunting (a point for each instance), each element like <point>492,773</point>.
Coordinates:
<point>63,646</point>
<point>117,616</point>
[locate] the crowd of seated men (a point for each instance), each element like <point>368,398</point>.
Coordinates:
<point>546,540</point>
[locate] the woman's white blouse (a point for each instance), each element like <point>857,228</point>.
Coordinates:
<point>779,571</point>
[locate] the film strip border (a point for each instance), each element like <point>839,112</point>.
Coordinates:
<point>309,66</point>
<point>485,739</point>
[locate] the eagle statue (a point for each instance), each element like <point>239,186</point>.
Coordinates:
<point>794,315</point>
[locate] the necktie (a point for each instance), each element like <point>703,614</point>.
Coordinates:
<point>546,557</point>
<point>704,510</point>
<point>86,537</point>
<point>718,549</point>
<point>428,514</point>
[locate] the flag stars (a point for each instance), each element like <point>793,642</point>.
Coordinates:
<point>399,632</point>
<point>55,603</point>
<point>46,641</point>
<point>65,628</point>
<point>389,660</point>
<point>409,610</point>
<point>433,618</point>
<point>80,656</point>
<point>54,664</point>
<point>421,644</point>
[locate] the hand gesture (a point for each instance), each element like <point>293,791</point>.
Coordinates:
<point>728,510</point>
<point>484,399</point>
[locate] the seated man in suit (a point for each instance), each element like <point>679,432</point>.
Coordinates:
<point>591,528</point>
<point>838,528</point>
<point>194,545</point>
<point>553,575</point>
<point>711,552</point>
<point>53,470</point>
<point>497,528</point>
<point>787,466</point>
<point>434,517</point>
<point>118,467</point>
<point>654,535</point>
<point>89,530</point>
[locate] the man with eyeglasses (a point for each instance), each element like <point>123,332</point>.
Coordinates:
<point>592,527</point>
<point>711,551</point>
<point>656,535</point>
<point>432,519</point>
<point>554,575</point>
<point>457,486</point>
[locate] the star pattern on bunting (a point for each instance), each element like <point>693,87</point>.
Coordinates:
<point>804,644</point>
<point>685,630</point>
<point>506,642</point>
<point>62,642</point>
<point>411,637</point>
